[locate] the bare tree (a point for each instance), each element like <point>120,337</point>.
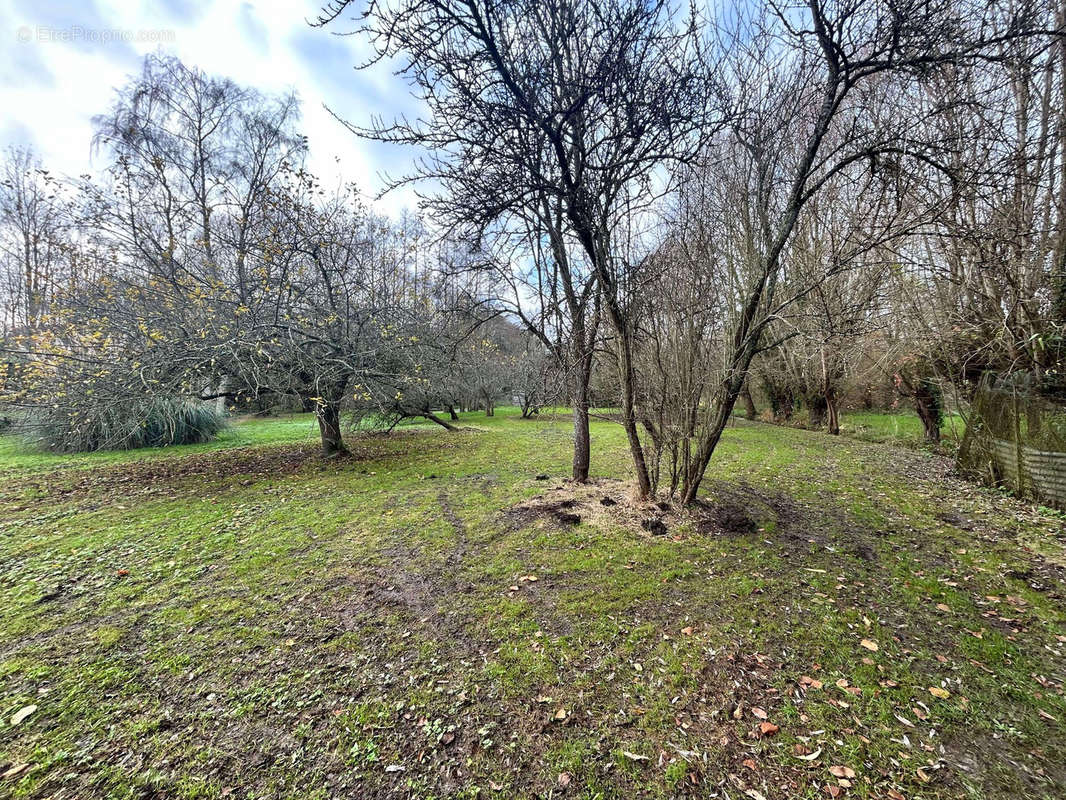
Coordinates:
<point>557,115</point>
<point>823,90</point>
<point>35,221</point>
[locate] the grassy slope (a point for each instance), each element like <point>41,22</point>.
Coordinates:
<point>299,629</point>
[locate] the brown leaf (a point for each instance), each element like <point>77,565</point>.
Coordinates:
<point>936,691</point>
<point>747,762</point>
<point>564,780</point>
<point>870,645</point>
<point>833,791</point>
<point>687,630</point>
<point>840,771</point>
<point>758,713</point>
<point>767,729</point>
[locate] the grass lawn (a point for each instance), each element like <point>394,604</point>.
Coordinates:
<point>903,427</point>
<point>427,619</point>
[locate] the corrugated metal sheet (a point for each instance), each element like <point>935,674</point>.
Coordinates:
<point>1006,416</point>
<point>1043,472</point>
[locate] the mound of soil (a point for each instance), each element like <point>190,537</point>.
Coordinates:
<point>728,518</point>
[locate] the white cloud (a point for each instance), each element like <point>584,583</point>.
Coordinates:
<point>61,66</point>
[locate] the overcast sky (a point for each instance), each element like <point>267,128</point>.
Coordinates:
<point>61,60</point>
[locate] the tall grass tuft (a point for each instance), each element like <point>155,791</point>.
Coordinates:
<point>126,425</point>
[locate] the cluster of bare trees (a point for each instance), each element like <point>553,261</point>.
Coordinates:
<point>772,202</point>
<point>785,189</point>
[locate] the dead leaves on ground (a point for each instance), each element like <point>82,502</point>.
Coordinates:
<point>767,729</point>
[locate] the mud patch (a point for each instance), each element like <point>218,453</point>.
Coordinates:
<point>726,518</point>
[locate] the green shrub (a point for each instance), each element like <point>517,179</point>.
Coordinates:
<point>126,425</point>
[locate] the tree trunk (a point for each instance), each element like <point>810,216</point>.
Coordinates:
<point>451,413</point>
<point>782,403</point>
<point>750,412</point>
<point>329,426</point>
<point>697,468</point>
<point>928,416</point>
<point>816,406</point>
<point>442,422</point>
<point>832,412</point>
<point>629,412</point>
<point>582,440</point>
<point>928,405</point>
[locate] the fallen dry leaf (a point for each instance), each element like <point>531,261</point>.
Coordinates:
<point>14,771</point>
<point>22,713</point>
<point>767,729</point>
<point>936,691</point>
<point>870,645</point>
<point>759,713</point>
<point>840,771</point>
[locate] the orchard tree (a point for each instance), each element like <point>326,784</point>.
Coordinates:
<point>562,117</point>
